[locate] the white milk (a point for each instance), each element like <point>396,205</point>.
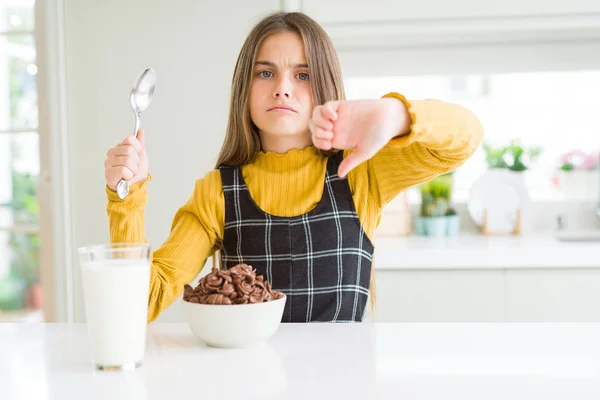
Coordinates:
<point>116,303</point>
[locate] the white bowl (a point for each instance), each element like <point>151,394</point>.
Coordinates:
<point>236,325</point>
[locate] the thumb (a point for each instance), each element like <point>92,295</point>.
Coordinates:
<point>331,109</point>
<point>141,136</point>
<point>350,162</point>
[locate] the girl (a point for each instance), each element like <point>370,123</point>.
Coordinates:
<point>301,179</point>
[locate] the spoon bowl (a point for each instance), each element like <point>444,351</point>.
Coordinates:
<point>141,94</point>
<point>142,90</point>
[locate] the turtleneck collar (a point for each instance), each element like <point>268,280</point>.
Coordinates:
<point>292,160</point>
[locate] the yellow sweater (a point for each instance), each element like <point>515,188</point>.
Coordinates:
<point>442,137</point>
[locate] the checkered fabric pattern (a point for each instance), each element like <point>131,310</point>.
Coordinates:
<point>321,260</point>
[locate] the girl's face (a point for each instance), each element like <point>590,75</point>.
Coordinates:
<point>280,94</point>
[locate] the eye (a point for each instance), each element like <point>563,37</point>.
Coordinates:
<point>265,74</point>
<point>303,76</point>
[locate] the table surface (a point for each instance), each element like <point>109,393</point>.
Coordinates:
<point>324,361</point>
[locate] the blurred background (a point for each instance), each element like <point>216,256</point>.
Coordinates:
<point>512,235</point>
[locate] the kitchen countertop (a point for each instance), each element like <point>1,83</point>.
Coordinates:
<point>475,251</point>
<point>318,361</point>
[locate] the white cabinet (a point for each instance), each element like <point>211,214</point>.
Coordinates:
<point>547,295</point>
<point>439,296</point>
<point>488,295</point>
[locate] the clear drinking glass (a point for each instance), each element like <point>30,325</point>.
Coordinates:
<point>116,281</point>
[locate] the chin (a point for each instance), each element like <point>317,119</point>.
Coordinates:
<point>283,129</point>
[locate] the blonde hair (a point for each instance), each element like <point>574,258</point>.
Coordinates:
<point>242,141</point>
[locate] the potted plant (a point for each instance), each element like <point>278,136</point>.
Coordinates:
<point>577,174</point>
<point>513,157</point>
<point>453,222</point>
<point>435,207</point>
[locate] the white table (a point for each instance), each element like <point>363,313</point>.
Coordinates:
<point>328,361</point>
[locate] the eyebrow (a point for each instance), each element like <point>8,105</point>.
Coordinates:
<point>272,64</point>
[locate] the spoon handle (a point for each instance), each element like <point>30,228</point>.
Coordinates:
<point>123,185</point>
<point>137,124</point>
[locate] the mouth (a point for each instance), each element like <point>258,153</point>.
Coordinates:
<point>281,108</point>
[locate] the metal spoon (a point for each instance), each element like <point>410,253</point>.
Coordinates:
<point>140,98</point>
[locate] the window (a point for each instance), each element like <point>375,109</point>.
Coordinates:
<point>20,291</point>
<point>554,110</point>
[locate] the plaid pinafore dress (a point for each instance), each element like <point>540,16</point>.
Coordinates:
<point>321,260</point>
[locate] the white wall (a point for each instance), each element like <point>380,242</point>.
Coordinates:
<point>192,45</point>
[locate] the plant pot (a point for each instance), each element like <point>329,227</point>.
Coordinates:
<point>452,225</point>
<point>420,226</point>
<point>36,298</point>
<point>521,175</point>
<point>435,226</point>
<point>578,184</point>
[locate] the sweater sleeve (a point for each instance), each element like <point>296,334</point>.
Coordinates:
<point>442,137</point>
<point>196,233</point>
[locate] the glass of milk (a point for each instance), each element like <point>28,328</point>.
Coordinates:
<point>116,281</point>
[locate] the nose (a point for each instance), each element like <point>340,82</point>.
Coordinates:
<point>283,89</point>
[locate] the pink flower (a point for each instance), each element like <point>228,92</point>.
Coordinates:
<point>579,159</point>
<point>590,162</point>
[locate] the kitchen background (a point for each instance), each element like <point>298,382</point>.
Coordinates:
<point>512,235</point>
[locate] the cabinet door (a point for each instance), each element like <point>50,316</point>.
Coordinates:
<point>343,11</point>
<point>439,296</point>
<point>549,295</point>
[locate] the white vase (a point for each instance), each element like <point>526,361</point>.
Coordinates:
<point>522,177</point>
<point>579,185</point>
